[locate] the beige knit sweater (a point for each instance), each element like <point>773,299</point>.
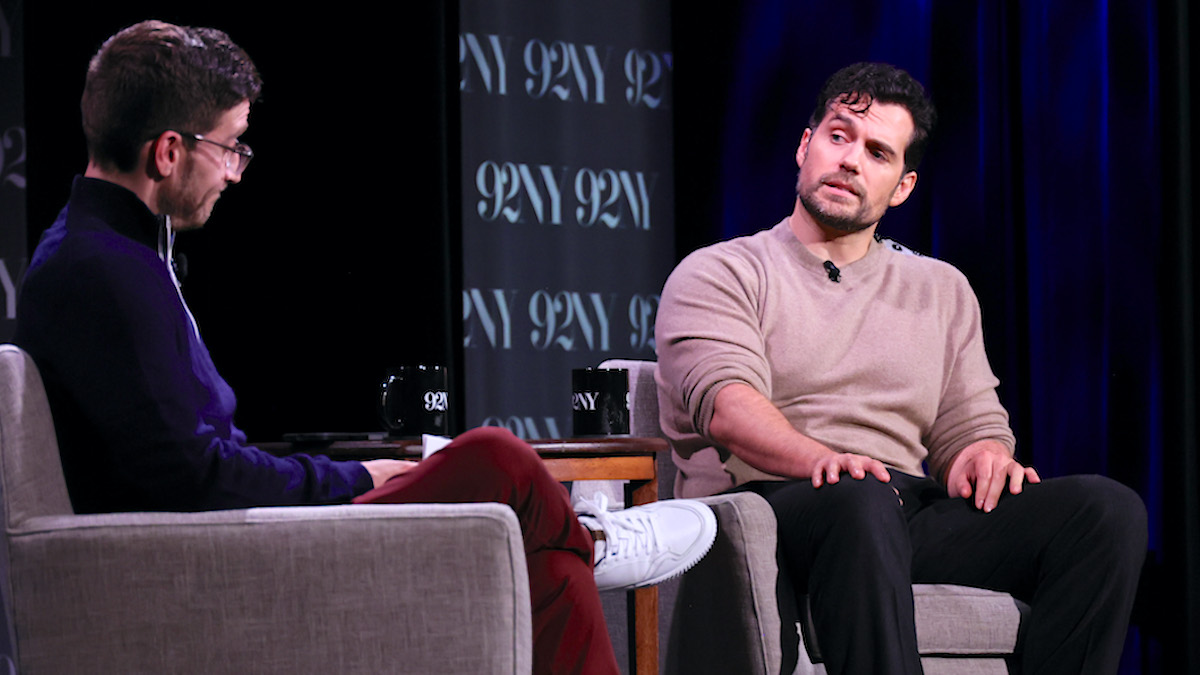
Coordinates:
<point>889,362</point>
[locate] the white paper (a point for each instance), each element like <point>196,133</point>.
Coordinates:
<point>431,444</point>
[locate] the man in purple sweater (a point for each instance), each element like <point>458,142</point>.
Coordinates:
<point>823,369</point>
<point>144,420</point>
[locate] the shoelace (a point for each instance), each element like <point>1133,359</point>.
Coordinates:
<point>628,535</point>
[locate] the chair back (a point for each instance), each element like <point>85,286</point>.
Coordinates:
<point>643,415</point>
<point>31,476</point>
<point>643,396</point>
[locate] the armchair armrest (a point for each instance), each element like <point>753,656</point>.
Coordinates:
<point>346,589</point>
<point>726,613</point>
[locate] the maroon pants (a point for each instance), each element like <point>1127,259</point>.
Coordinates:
<point>490,464</point>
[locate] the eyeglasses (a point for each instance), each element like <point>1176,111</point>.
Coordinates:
<point>237,157</point>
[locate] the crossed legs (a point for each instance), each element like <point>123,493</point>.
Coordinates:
<point>492,465</point>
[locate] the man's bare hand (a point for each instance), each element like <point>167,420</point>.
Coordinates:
<point>382,470</point>
<point>829,468</point>
<point>983,469</point>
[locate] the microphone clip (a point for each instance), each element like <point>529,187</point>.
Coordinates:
<point>835,275</point>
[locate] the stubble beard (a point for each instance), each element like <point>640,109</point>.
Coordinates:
<point>849,223</point>
<point>188,211</point>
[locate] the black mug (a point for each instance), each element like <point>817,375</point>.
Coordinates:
<point>600,401</point>
<point>413,400</point>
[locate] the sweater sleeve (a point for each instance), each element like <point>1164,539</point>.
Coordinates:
<point>709,333</point>
<point>969,409</point>
<point>136,423</point>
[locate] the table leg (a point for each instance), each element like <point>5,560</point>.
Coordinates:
<point>645,629</point>
<point>643,603</point>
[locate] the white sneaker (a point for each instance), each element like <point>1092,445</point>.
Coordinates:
<point>646,545</point>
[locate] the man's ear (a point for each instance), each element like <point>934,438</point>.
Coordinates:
<point>904,189</point>
<point>166,155</point>
<point>802,151</point>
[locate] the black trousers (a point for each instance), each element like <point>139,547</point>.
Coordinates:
<point>1072,548</point>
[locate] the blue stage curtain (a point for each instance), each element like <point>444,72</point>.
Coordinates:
<point>1044,184</point>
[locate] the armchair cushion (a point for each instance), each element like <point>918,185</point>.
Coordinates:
<point>943,609</point>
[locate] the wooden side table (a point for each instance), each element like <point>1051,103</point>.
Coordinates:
<point>608,458</point>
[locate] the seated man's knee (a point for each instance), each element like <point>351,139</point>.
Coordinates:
<point>864,500</point>
<point>1108,516</point>
<point>1114,510</point>
<point>854,507</point>
<point>496,448</point>
<point>854,527</point>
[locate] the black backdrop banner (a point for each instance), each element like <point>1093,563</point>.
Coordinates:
<point>567,198</point>
<point>12,164</point>
<point>13,258</point>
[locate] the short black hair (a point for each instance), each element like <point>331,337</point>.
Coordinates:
<point>861,84</point>
<point>154,76</point>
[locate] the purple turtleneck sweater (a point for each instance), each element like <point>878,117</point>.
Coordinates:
<point>144,420</point>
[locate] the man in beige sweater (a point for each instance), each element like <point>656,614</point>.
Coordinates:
<point>825,369</point>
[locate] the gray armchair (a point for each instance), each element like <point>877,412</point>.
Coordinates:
<point>726,612</point>
<point>344,589</point>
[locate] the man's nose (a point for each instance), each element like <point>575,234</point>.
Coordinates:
<point>851,157</point>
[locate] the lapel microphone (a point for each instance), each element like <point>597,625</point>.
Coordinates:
<point>835,275</point>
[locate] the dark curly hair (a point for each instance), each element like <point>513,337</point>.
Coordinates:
<point>155,76</point>
<point>861,84</point>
